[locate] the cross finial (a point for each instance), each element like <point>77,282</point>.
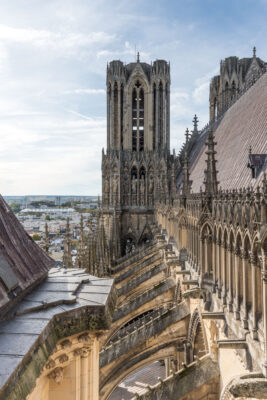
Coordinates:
<point>138,57</point>
<point>254,51</point>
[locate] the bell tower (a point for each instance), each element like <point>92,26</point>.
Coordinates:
<point>134,168</point>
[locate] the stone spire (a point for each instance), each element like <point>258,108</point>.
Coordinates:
<point>195,125</point>
<point>80,261</point>
<point>47,242</point>
<point>187,135</point>
<point>210,181</point>
<point>67,258</point>
<point>186,175</point>
<point>138,57</point>
<point>254,52</point>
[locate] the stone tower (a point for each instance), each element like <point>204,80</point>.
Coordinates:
<point>235,76</point>
<point>134,167</point>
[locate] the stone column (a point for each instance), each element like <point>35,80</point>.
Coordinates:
<point>264,296</point>
<point>219,268</point>
<point>254,299</point>
<point>244,303</point>
<point>84,374</point>
<point>206,255</point>
<point>201,256</point>
<point>237,294</point>
<point>230,292</point>
<point>214,254</point>
<point>223,247</point>
<point>167,367</point>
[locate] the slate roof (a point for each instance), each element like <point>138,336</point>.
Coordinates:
<point>243,125</point>
<point>22,262</point>
<point>64,292</point>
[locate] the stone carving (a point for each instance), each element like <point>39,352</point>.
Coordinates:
<point>57,375</point>
<point>77,352</point>
<point>63,358</point>
<point>66,344</point>
<point>142,190</point>
<point>50,364</point>
<point>84,337</point>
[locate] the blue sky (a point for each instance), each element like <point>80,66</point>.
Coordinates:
<point>53,57</point>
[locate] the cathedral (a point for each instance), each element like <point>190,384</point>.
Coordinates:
<point>174,275</point>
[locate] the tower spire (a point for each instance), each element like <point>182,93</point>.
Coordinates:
<point>67,258</point>
<point>138,57</point>
<point>195,125</point>
<point>210,181</point>
<point>254,51</point>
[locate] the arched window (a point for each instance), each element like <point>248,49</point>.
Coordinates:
<point>142,173</point>
<point>233,90</point>
<point>154,115</point>
<point>215,108</point>
<point>134,173</point>
<point>161,108</point>
<point>116,101</point>
<point>226,95</point>
<point>141,119</point>
<point>138,111</point>
<point>134,120</point>
<point>121,115</point>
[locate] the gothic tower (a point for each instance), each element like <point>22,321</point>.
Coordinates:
<point>134,168</point>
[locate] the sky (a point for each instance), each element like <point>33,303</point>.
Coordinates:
<point>53,58</point>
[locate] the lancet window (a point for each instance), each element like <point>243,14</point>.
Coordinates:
<point>138,113</point>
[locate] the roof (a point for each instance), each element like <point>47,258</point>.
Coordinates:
<point>243,125</point>
<point>65,294</point>
<point>22,262</point>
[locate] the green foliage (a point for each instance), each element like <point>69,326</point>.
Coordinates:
<point>14,207</point>
<point>39,203</point>
<point>36,237</point>
<point>48,218</point>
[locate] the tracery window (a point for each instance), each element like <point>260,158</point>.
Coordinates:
<point>138,112</point>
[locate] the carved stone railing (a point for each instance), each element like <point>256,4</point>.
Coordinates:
<point>201,374</point>
<point>141,334</point>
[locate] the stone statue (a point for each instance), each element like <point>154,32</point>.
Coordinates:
<point>142,190</point>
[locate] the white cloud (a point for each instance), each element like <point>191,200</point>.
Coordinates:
<point>201,93</point>
<point>85,91</point>
<point>54,40</point>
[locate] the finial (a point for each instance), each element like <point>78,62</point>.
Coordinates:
<point>138,57</point>
<point>187,135</point>
<point>254,51</point>
<point>195,123</point>
<point>250,150</point>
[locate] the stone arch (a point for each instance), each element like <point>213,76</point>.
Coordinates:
<point>206,248</point>
<point>146,236</point>
<point>133,364</point>
<point>128,243</point>
<point>196,341</point>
